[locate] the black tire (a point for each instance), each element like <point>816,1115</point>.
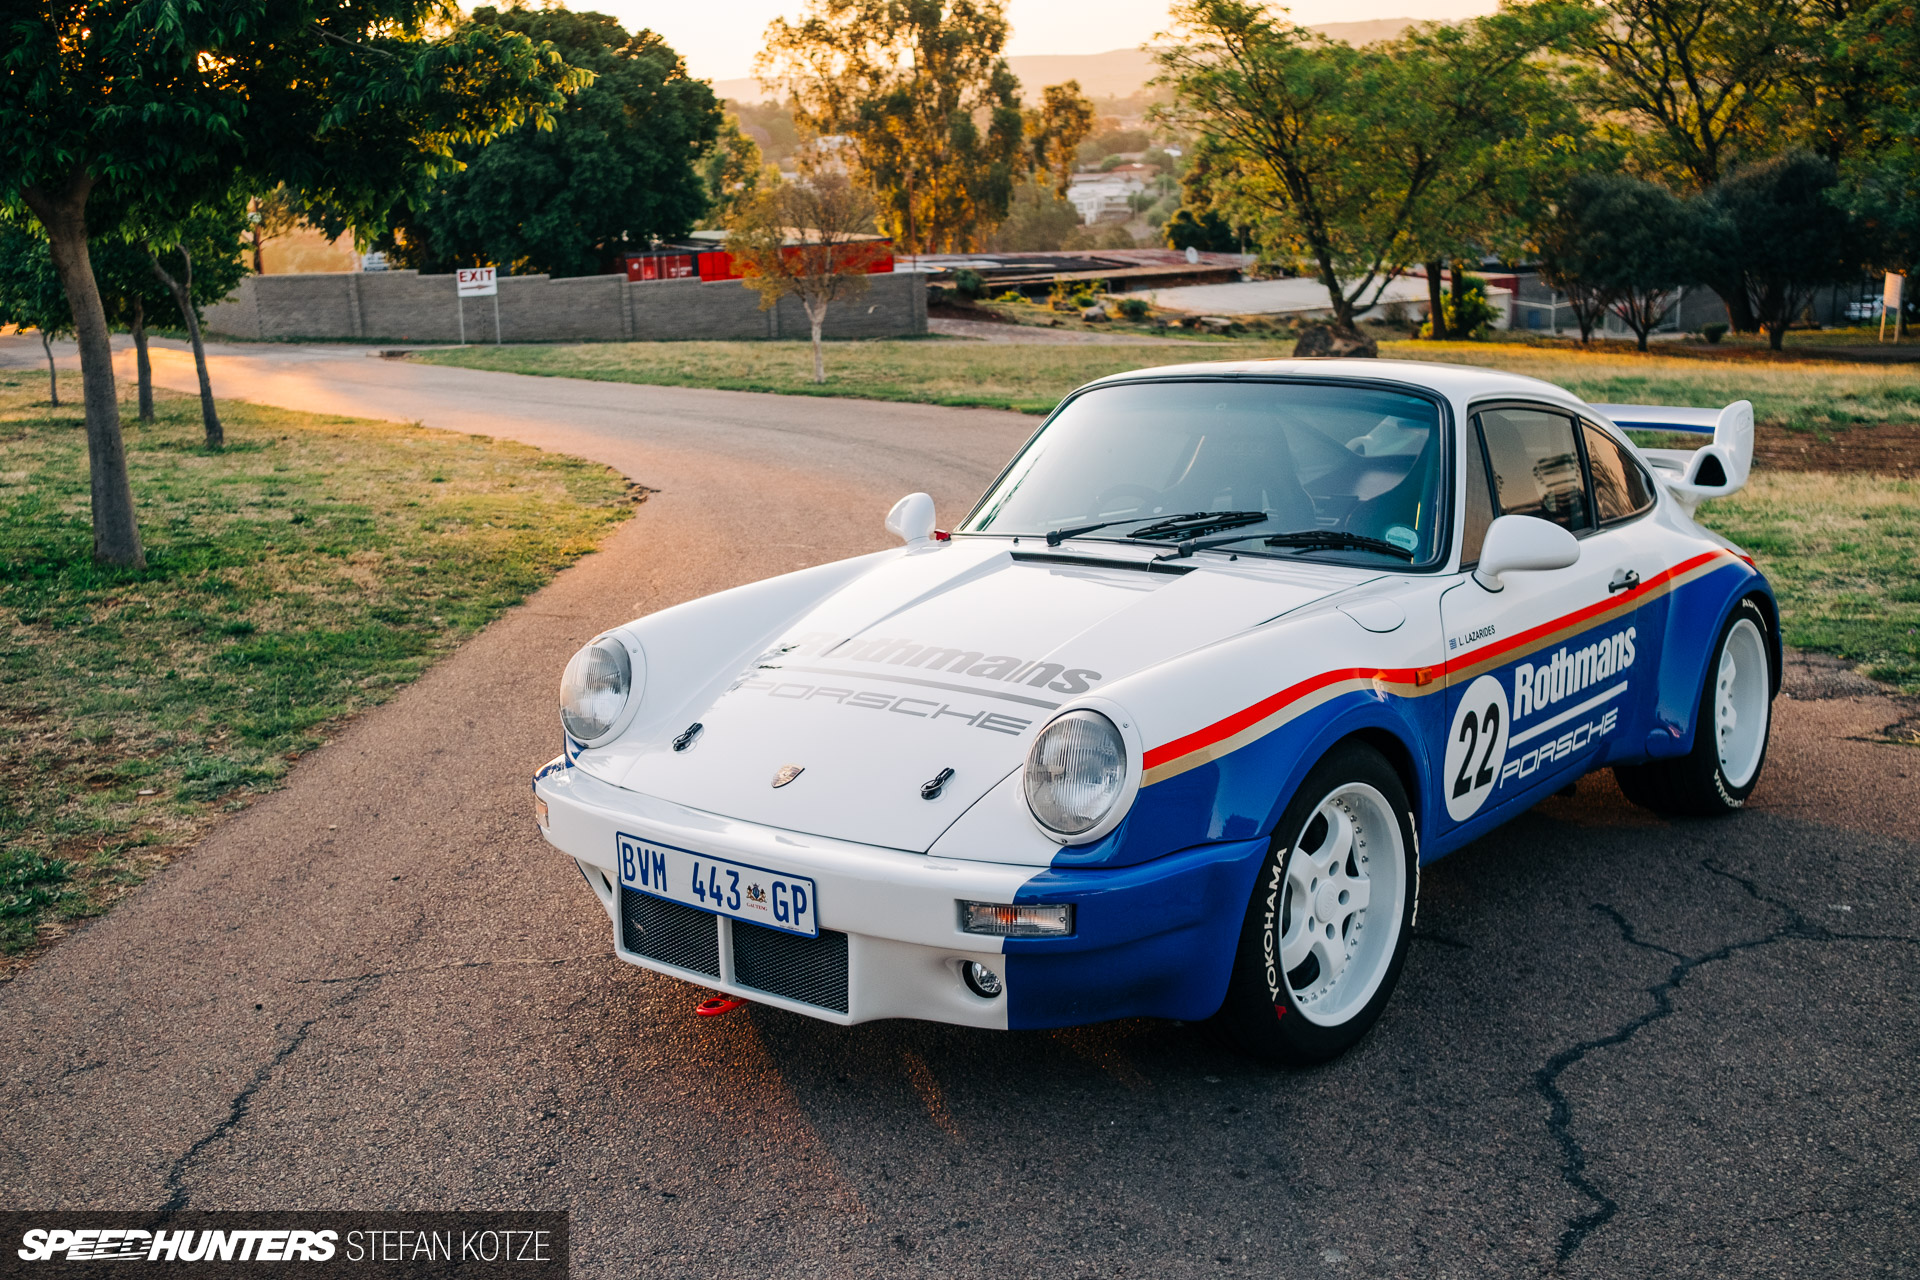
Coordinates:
<point>1262,1014</point>
<point>1696,785</point>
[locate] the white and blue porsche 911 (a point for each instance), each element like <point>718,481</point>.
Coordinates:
<point>1166,726</point>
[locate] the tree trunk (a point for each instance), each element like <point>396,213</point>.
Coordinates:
<point>1776,334</point>
<point>53,374</point>
<point>816,318</point>
<point>255,232</point>
<point>182,291</point>
<point>1436,305</point>
<point>142,365</point>
<point>1732,289</point>
<point>63,213</point>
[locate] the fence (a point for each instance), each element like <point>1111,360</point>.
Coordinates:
<point>404,306</point>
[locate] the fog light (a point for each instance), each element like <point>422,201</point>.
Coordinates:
<point>981,980</point>
<point>1000,921</point>
<point>540,813</point>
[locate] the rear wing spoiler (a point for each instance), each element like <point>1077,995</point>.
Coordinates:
<point>1694,475</point>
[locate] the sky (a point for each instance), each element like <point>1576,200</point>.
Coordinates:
<point>720,37</point>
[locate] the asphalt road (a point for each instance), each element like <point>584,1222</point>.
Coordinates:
<point>1623,1047</point>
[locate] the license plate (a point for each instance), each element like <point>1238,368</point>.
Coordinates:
<point>735,889</point>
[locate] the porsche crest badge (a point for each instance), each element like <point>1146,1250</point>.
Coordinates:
<point>787,773</point>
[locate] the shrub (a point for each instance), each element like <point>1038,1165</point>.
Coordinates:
<point>968,284</point>
<point>1467,310</point>
<point>1713,332</point>
<point>1131,308</point>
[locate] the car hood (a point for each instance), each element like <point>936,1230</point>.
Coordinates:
<point>948,658</point>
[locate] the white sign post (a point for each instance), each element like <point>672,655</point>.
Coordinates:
<point>1891,299</point>
<point>478,282</point>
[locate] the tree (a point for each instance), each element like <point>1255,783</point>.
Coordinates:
<point>1563,242</point>
<point>270,216</point>
<point>1881,174</point>
<point>1627,241</point>
<point>732,173</point>
<point>134,295</point>
<point>1689,87</point>
<point>1036,221</point>
<point>617,169</point>
<point>1201,229</point>
<point>159,107</point>
<point>1482,132</point>
<point>1778,226</point>
<point>1300,139</point>
<point>1055,131</point>
<point>30,293</point>
<point>1691,79</point>
<point>921,89</point>
<point>810,239</point>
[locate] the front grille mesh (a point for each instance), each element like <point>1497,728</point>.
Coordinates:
<point>670,932</point>
<point>811,970</point>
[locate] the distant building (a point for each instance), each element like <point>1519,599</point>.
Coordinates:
<point>1104,197</point>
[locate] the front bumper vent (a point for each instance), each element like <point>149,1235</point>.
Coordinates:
<point>810,970</point>
<point>669,932</point>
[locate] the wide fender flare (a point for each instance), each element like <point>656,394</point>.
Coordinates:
<point>1380,723</point>
<point>1695,618</point>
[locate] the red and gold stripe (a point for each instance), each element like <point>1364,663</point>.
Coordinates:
<point>1227,735</point>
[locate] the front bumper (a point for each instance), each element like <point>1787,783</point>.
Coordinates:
<point>1153,940</point>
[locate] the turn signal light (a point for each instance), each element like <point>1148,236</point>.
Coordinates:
<point>997,920</point>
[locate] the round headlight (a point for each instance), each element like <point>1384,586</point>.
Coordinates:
<point>594,690</point>
<point>1076,772</point>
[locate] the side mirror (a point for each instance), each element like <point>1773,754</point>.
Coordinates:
<point>1523,543</point>
<point>911,519</point>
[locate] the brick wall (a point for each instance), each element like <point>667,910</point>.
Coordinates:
<point>405,306</point>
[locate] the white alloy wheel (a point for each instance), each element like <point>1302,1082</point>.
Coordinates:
<point>1741,704</point>
<point>1346,887</point>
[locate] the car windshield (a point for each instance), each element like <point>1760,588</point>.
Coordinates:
<point>1286,458</point>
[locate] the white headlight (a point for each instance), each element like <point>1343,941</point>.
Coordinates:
<point>594,690</point>
<point>1076,772</point>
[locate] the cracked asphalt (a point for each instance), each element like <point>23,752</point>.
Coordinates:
<point>1623,1047</point>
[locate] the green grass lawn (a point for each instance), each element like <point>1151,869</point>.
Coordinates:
<point>1843,554</point>
<point>303,573</point>
<point>1817,396</point>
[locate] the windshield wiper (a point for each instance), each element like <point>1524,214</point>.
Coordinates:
<point>1189,522</point>
<point>1339,540</point>
<point>1328,539</point>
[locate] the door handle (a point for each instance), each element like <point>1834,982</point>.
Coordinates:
<point>1623,580</point>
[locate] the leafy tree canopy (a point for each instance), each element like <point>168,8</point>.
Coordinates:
<point>1779,229</point>
<point>1358,161</point>
<point>618,166</point>
<point>922,89</point>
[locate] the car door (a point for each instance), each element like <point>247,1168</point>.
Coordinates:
<point>1542,674</point>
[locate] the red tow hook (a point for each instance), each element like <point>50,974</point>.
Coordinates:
<point>714,1006</point>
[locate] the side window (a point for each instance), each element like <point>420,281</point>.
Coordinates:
<point>1620,488</point>
<point>1478,512</point>
<point>1536,466</point>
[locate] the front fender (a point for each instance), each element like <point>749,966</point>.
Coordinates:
<point>694,650</point>
<point>1231,731</point>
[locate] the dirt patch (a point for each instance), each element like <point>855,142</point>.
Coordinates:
<point>1891,448</point>
<point>1820,677</point>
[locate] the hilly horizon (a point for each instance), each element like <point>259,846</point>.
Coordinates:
<point>1118,73</point>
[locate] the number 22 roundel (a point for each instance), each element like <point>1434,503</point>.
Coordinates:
<point>1476,747</point>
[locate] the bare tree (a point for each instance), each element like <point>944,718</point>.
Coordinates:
<point>810,239</point>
